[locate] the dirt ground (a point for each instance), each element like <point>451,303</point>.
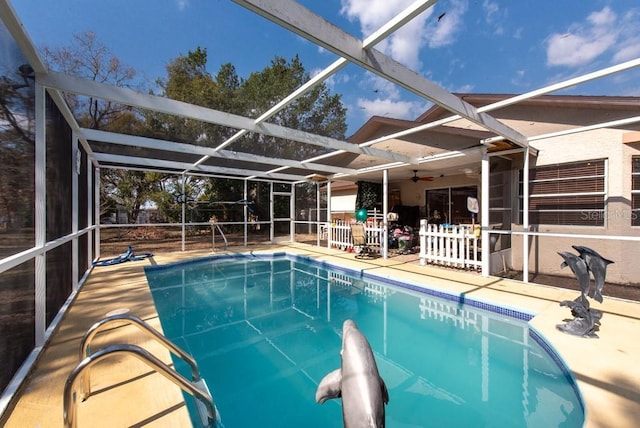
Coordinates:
<point>149,240</point>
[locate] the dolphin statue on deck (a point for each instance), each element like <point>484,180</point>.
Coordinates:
<point>580,304</point>
<point>598,267</point>
<point>364,393</point>
<point>584,324</point>
<point>579,268</point>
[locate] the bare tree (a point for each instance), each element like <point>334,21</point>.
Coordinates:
<point>89,58</point>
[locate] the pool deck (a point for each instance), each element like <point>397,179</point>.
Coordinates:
<point>125,392</point>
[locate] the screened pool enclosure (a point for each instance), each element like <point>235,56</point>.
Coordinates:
<point>52,223</point>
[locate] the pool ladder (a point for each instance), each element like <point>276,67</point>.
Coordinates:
<point>196,386</point>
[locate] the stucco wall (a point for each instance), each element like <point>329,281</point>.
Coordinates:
<point>600,144</point>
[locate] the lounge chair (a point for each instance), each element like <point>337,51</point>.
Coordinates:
<point>359,240</point>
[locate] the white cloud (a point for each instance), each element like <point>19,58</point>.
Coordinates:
<point>333,80</point>
<point>490,9</point>
<point>390,108</point>
<point>574,50</point>
<point>628,52</point>
<point>445,31</point>
<point>602,32</point>
<point>182,4</point>
<point>386,100</point>
<point>517,34</point>
<point>405,44</point>
<point>519,78</point>
<point>493,16</point>
<point>629,45</point>
<point>464,89</point>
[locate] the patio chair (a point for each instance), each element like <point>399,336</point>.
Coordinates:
<point>359,240</point>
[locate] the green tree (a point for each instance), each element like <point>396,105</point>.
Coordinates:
<point>317,111</point>
<point>129,189</point>
<point>188,80</point>
<point>369,195</point>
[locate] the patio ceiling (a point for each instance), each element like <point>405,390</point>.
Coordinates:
<point>432,145</point>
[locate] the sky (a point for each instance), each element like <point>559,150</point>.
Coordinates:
<point>465,46</point>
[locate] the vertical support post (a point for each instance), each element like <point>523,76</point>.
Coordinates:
<point>271,211</point>
<point>184,209</point>
<point>329,222</point>
<point>76,158</point>
<point>90,204</point>
<point>40,214</point>
<point>245,195</point>
<point>384,245</point>
<point>318,228</point>
<point>96,211</point>
<point>525,217</point>
<point>484,214</point>
<point>292,214</point>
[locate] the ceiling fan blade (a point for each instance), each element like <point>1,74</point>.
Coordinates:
<point>415,177</point>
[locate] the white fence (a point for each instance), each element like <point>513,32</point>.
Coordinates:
<point>455,246</point>
<point>341,236</point>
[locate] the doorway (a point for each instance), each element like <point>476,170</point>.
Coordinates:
<point>450,204</point>
<point>281,212</point>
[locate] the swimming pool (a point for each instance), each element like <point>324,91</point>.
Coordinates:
<point>266,329</point>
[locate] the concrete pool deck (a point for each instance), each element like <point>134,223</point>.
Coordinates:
<point>125,392</point>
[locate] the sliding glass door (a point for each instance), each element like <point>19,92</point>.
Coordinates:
<point>450,204</point>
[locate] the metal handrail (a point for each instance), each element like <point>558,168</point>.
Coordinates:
<point>85,345</point>
<point>213,235</point>
<point>69,400</point>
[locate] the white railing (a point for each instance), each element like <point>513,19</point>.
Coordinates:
<point>455,246</point>
<point>341,235</point>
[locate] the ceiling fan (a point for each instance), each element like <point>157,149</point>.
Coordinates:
<point>415,177</point>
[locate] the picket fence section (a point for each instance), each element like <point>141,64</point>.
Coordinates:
<point>455,246</point>
<point>341,236</point>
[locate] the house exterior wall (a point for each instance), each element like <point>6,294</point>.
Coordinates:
<point>615,146</point>
<point>598,144</point>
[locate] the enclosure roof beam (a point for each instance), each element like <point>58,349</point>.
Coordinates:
<point>382,33</point>
<point>295,17</point>
<point>156,144</point>
<point>178,166</point>
<point>156,103</point>
<point>628,65</point>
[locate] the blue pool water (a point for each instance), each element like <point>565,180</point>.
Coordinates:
<point>265,330</point>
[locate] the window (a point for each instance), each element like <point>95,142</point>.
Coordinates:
<point>635,191</point>
<point>571,194</point>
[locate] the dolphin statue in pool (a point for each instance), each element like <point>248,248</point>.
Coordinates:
<point>364,393</point>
